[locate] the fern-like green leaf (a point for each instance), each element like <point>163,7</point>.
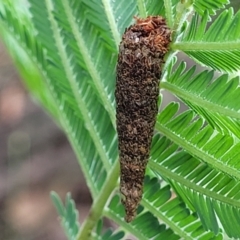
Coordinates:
<point>95,160</point>
<point>217,46</point>
<point>144,227</point>
<point>201,186</point>
<point>201,5</point>
<point>72,71</point>
<point>154,7</point>
<point>200,140</point>
<point>29,72</point>
<point>203,93</point>
<point>172,212</point>
<point>81,40</point>
<point>68,214</point>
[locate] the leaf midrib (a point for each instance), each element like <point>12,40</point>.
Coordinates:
<point>203,103</point>
<point>168,173</point>
<point>89,63</point>
<point>111,20</point>
<point>206,46</point>
<point>73,84</point>
<point>195,151</point>
<point>165,219</point>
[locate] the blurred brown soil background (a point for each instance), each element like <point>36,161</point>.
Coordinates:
<point>35,158</point>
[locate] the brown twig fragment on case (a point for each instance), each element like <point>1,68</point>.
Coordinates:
<point>141,54</point>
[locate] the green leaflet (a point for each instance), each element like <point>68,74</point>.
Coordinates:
<point>201,140</point>
<point>154,7</point>
<point>69,220</point>
<point>68,214</point>
<point>217,99</point>
<point>201,187</point>
<point>172,212</point>
<point>216,47</point>
<point>70,72</point>
<point>68,110</point>
<point>201,5</point>
<point>28,70</point>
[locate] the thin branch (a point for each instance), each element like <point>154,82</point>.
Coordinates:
<point>99,203</point>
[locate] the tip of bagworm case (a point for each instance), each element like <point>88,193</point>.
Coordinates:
<point>130,209</point>
<point>129,218</point>
<point>131,200</point>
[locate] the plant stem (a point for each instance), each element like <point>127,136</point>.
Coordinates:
<point>96,210</point>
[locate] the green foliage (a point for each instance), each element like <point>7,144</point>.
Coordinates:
<point>69,215</point>
<point>201,5</point>
<point>66,52</point>
<point>201,187</point>
<point>196,90</point>
<point>216,46</point>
